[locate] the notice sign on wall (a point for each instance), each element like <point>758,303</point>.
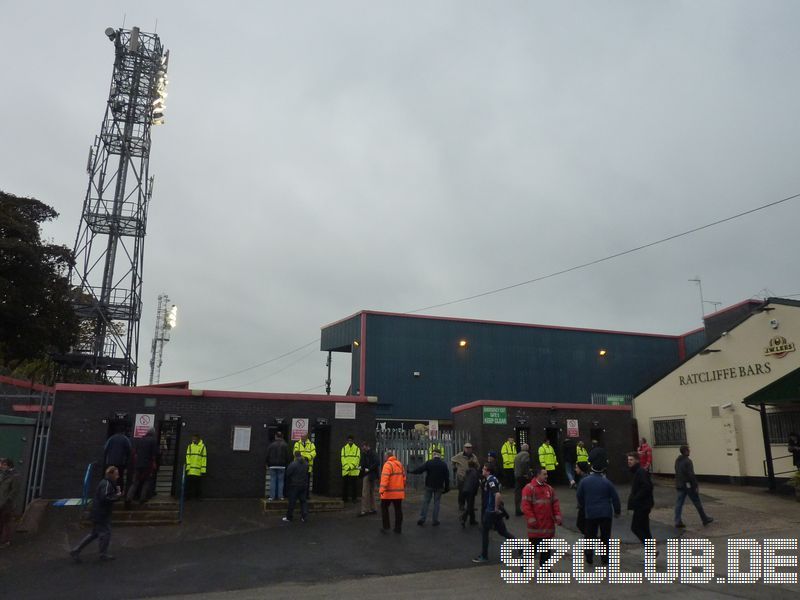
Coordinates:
<point>572,428</point>
<point>345,410</point>
<point>143,424</point>
<point>241,439</point>
<point>299,428</point>
<point>495,415</point>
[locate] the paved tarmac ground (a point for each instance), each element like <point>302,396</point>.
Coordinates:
<point>229,549</point>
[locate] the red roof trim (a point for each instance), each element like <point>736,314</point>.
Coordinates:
<point>162,391</point>
<point>183,385</point>
<point>734,306</point>
<point>353,316</point>
<point>118,389</point>
<point>273,396</point>
<point>506,323</point>
<point>30,408</point>
<point>554,405</point>
<point>25,384</point>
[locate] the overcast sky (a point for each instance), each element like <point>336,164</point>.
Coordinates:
<point>320,158</point>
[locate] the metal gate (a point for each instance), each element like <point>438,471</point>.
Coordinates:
<point>412,447</point>
<point>41,403</point>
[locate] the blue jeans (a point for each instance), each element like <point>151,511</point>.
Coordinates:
<point>695,498</point>
<point>437,497</point>
<point>276,482</point>
<point>570,471</point>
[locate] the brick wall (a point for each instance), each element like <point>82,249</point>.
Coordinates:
<point>615,428</point>
<point>80,429</point>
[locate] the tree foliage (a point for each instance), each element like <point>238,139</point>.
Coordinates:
<point>36,312</point>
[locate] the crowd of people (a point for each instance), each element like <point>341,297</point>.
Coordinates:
<point>517,469</point>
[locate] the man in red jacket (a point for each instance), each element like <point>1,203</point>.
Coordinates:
<point>541,509</point>
<point>645,455</point>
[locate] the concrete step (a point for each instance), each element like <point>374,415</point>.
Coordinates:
<point>316,504</point>
<point>164,511</point>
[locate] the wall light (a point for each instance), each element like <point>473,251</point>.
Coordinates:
<point>462,343</point>
<point>603,352</point>
<point>356,344</point>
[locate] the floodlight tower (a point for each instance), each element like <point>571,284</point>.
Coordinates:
<point>109,247</point>
<point>166,319</point>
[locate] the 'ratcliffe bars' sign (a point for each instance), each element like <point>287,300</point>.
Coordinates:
<point>779,347</point>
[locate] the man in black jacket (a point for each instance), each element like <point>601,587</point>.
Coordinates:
<point>277,458</point>
<point>297,487</point>
<point>640,500</point>
<point>686,484</point>
<point>116,453</point>
<point>104,497</point>
<point>144,462</point>
<point>437,482</point>
<point>370,471</point>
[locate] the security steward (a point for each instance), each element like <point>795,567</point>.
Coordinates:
<point>392,491</point>
<point>307,448</point>
<point>509,453</point>
<point>582,453</point>
<point>196,458</point>
<point>351,468</point>
<point>547,457</point>
<point>435,447</point>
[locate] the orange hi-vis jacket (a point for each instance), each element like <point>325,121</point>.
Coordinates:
<point>393,480</point>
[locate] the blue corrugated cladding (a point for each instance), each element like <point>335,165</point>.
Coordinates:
<point>694,342</point>
<point>502,362</point>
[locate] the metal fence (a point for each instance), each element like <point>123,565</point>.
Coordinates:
<point>412,448</point>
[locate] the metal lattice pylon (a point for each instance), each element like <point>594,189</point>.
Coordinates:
<point>109,247</point>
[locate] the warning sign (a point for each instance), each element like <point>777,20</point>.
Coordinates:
<point>572,428</point>
<point>143,424</point>
<point>299,428</point>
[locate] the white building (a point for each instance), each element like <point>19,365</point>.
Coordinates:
<point>715,401</point>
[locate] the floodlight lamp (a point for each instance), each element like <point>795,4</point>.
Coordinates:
<point>462,343</point>
<point>110,33</point>
<point>172,317</point>
<point>603,352</point>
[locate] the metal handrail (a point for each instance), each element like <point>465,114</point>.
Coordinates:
<point>86,479</point>
<point>182,493</point>
<point>764,465</point>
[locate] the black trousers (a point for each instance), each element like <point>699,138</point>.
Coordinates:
<point>592,527</point>
<point>398,514</point>
<point>640,525</point>
<point>492,520</point>
<point>100,530</point>
<point>543,556</point>
<point>508,476</point>
<point>194,486</point>
<point>466,506</point>
<point>349,485</point>
<point>293,494</point>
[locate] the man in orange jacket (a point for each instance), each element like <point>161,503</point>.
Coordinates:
<point>392,491</point>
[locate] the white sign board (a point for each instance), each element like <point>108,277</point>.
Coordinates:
<point>299,428</point>
<point>143,424</point>
<point>241,439</point>
<point>572,428</point>
<point>433,429</point>
<point>345,410</point>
